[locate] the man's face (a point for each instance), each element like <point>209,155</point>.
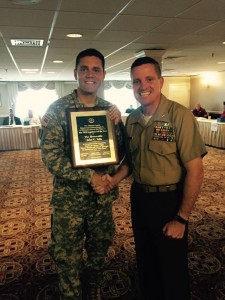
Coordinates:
<point>146,84</point>
<point>89,74</point>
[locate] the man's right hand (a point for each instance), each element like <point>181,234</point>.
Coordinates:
<point>100,184</point>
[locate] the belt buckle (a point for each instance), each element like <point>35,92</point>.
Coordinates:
<point>159,188</point>
<point>167,188</point>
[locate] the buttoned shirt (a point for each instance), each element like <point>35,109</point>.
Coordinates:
<point>160,148</point>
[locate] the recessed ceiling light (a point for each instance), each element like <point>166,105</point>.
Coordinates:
<point>29,70</point>
<point>57,61</point>
<point>74,35</point>
<point>221,62</point>
<point>51,72</point>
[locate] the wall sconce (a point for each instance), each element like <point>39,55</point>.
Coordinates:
<point>209,79</point>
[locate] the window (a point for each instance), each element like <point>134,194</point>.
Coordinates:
<point>122,98</point>
<point>36,100</point>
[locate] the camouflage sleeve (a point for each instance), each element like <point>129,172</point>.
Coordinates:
<point>55,150</point>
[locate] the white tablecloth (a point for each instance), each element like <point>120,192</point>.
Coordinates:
<point>212,132</point>
<point>19,137</point>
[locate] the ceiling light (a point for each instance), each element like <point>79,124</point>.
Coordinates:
<point>25,2</point>
<point>221,62</point>
<point>29,70</point>
<point>57,61</point>
<point>74,35</point>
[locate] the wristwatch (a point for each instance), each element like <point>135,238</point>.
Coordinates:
<point>180,220</point>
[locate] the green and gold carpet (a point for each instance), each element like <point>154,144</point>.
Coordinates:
<point>28,273</point>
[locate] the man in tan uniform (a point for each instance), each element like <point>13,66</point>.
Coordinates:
<point>166,153</point>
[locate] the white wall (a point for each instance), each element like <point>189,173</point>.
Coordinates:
<point>4,101</point>
<point>210,94</point>
<point>177,89</point>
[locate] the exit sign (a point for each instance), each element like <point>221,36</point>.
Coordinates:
<point>27,43</point>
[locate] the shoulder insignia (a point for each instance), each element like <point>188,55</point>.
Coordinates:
<point>45,120</point>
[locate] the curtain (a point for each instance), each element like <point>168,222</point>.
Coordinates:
<point>36,85</point>
<point>60,89</point>
<point>118,84</point>
<point>15,87</point>
<point>12,92</point>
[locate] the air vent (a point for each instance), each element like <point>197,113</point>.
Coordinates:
<point>173,57</point>
<point>25,2</point>
<point>168,70</point>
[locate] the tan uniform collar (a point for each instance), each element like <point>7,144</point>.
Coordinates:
<point>160,114</point>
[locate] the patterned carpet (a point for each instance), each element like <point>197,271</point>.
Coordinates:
<point>28,273</point>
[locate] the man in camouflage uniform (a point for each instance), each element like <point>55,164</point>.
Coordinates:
<point>81,217</point>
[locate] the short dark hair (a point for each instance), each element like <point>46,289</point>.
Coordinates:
<point>147,60</point>
<point>90,52</point>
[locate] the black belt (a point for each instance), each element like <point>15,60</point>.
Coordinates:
<point>158,188</point>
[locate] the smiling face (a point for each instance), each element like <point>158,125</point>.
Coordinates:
<point>89,74</point>
<point>147,86</point>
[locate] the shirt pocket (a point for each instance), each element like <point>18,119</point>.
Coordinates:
<point>163,155</point>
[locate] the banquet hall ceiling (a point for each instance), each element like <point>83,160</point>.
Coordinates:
<point>190,34</point>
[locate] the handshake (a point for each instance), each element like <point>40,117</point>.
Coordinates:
<point>103,184</point>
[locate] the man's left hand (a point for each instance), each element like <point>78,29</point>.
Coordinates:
<point>174,230</point>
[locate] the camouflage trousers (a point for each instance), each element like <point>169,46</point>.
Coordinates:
<point>79,245</point>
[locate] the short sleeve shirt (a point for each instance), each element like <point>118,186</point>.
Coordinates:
<point>160,148</point>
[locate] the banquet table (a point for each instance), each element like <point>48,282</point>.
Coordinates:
<point>212,132</point>
<point>18,137</point>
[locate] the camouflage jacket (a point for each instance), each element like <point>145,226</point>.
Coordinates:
<point>54,137</point>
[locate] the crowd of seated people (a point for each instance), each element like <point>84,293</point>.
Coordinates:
<point>199,111</point>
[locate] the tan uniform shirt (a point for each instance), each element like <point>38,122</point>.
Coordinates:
<point>160,148</point>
